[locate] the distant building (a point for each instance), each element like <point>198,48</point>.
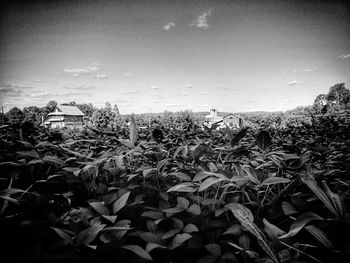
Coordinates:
<point>65,117</point>
<point>231,120</point>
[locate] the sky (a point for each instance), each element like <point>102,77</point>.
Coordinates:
<point>153,55</point>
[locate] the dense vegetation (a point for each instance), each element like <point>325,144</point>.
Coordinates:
<point>273,191</point>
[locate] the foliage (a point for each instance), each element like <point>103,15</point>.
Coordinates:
<point>254,195</point>
<point>158,187</point>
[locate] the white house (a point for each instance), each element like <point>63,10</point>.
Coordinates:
<point>65,116</point>
<point>231,120</point>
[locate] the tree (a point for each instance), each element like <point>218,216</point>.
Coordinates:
<point>116,109</point>
<point>15,116</point>
<point>72,103</point>
<point>50,107</point>
<point>338,96</point>
<point>320,101</point>
<point>87,109</point>
<point>31,114</point>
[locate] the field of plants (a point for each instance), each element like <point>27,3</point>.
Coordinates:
<point>177,195</point>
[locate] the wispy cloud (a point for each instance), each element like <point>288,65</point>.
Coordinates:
<point>293,83</point>
<point>202,20</point>
<point>80,87</point>
<point>203,105</point>
<point>172,105</point>
<point>130,92</point>
<point>344,56</point>
<point>12,90</point>
<point>183,94</point>
<point>76,72</point>
<point>168,26</point>
<point>127,74</point>
<point>101,76</point>
<point>189,86</point>
<point>154,87</point>
<point>46,95</point>
<point>306,70</point>
<point>204,93</point>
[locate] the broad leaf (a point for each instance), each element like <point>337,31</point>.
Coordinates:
<point>86,236</point>
<point>184,187</point>
<point>138,251</point>
<point>121,202</point>
<point>189,228</point>
<point>263,140</point>
<point>300,222</point>
<point>214,249</point>
<point>100,208</point>
<point>245,217</point>
<point>209,182</point>
<point>178,240</point>
<point>182,203</point>
<point>319,235</point>
<point>194,209</point>
<point>133,131</point>
<point>310,181</point>
<point>238,137</point>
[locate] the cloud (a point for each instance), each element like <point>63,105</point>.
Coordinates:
<point>203,105</point>
<point>345,56</point>
<point>12,90</point>
<point>204,93</point>
<point>127,74</point>
<point>130,92</point>
<point>183,94</point>
<point>168,26</point>
<point>81,87</point>
<point>76,72</point>
<point>42,95</point>
<point>189,86</point>
<point>172,105</point>
<point>293,83</point>
<point>154,87</point>
<point>46,95</point>
<point>202,20</point>
<point>306,70</point>
<point>101,76</point>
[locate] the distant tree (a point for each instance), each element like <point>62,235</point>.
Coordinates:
<point>116,109</point>
<point>320,101</point>
<point>50,107</point>
<point>104,118</point>
<point>72,103</point>
<point>15,116</point>
<point>338,96</point>
<point>32,114</point>
<point>87,109</point>
<point>108,106</point>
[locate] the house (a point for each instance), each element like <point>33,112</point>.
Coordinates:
<point>231,120</point>
<point>65,117</point>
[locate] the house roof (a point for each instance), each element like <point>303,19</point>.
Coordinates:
<point>67,110</point>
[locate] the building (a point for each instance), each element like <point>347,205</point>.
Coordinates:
<point>231,120</point>
<point>65,117</point>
